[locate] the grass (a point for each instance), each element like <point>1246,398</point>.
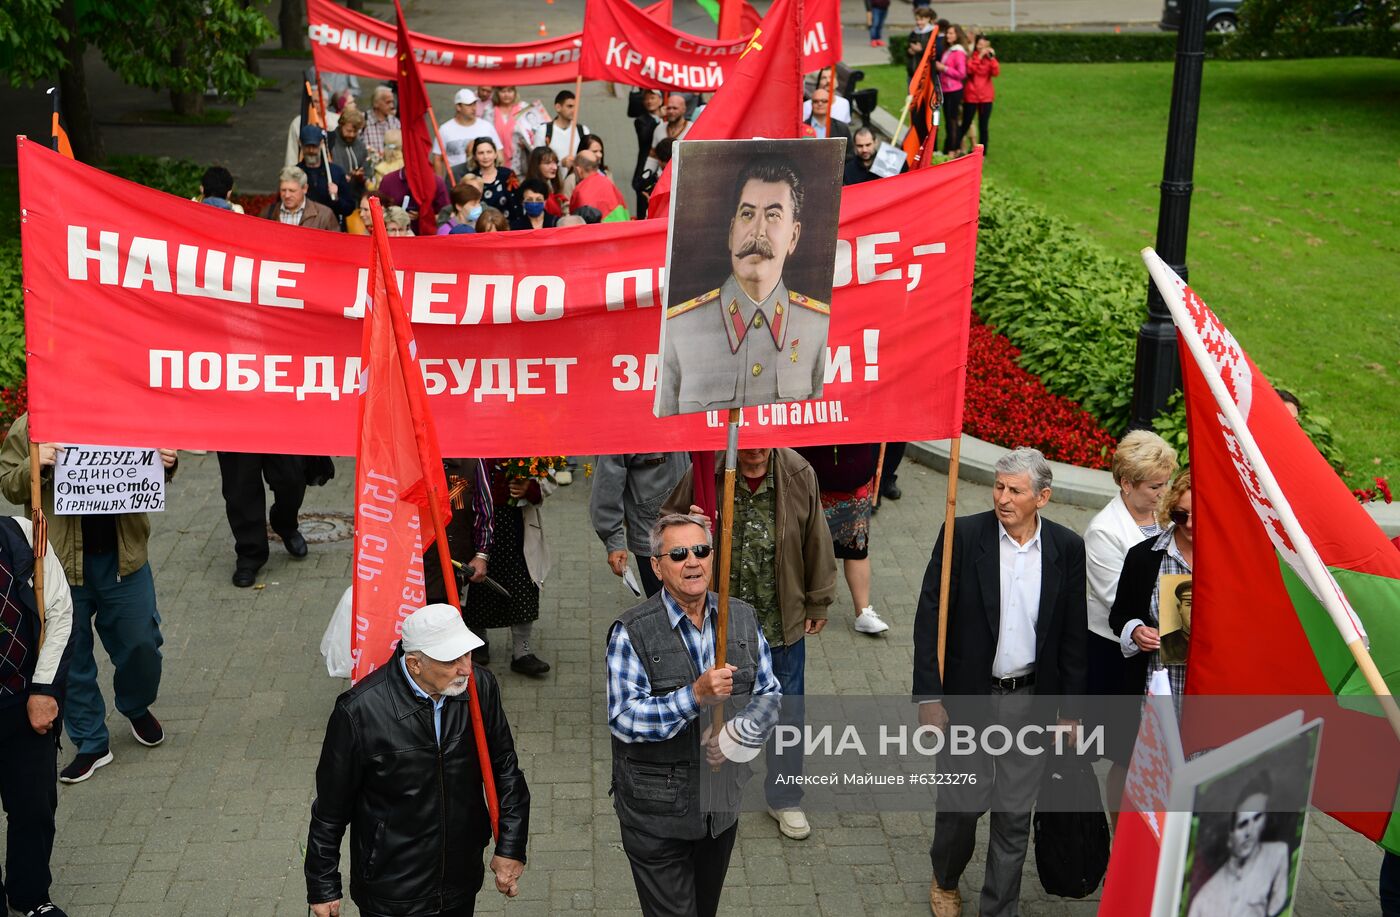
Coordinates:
<point>1293,220</point>
<point>210,117</point>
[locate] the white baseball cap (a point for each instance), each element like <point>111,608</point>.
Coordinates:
<point>439,633</point>
<point>465,97</point>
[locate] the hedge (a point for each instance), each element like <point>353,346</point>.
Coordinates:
<point>1074,311</point>
<point>1112,48</point>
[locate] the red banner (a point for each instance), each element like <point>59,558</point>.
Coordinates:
<point>624,45</point>
<point>344,41</point>
<point>156,319</point>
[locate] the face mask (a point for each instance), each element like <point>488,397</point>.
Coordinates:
<point>474,213</point>
<point>534,208</point>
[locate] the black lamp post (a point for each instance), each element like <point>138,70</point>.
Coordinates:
<point>1157,373</point>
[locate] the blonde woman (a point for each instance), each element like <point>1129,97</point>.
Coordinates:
<point>1142,467</point>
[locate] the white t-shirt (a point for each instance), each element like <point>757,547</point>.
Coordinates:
<point>840,109</point>
<point>562,140</point>
<point>661,134</point>
<point>459,137</point>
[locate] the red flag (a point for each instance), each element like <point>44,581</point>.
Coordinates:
<point>762,98</point>
<point>395,462</point>
<point>1284,554</point>
<point>417,147</point>
<point>924,101</point>
<point>731,19</point>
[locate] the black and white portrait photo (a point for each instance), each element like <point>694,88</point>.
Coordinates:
<point>748,273</point>
<point>1246,834</point>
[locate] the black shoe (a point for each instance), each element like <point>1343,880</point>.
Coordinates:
<point>81,768</point>
<point>295,544</point>
<point>892,492</point>
<point>147,730</point>
<point>47,909</point>
<point>482,654</point>
<point>529,665</point>
<point>243,577</point>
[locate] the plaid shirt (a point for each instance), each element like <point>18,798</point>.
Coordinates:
<point>634,715</point>
<point>375,129</point>
<point>292,217</point>
<point>14,653</point>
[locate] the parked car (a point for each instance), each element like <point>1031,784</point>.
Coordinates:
<point>1221,15</point>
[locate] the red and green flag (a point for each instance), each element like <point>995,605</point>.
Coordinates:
<point>1294,584</point>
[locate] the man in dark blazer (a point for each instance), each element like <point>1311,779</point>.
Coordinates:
<point>1017,629</point>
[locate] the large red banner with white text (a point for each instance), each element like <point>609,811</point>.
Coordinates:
<point>344,41</point>
<point>621,43</point>
<point>153,319</point>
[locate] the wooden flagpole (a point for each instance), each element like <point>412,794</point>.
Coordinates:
<point>437,135</point>
<point>435,500</point>
<point>726,517</point>
<point>946,565</point>
<point>39,535</point>
<point>830,99</point>
<point>879,472</point>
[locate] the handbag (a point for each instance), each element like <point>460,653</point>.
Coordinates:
<point>1072,842</point>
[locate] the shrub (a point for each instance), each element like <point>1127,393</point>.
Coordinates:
<point>1004,404</point>
<point>1112,48</point>
<point>11,315</point>
<point>164,173</point>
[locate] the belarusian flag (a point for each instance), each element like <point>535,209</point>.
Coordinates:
<point>1291,574</point>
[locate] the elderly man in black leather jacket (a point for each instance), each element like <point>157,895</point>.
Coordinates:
<point>399,766</point>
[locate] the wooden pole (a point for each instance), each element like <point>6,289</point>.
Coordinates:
<point>39,535</point>
<point>726,524</point>
<point>437,135</point>
<point>830,99</point>
<point>946,567</point>
<point>578,104</point>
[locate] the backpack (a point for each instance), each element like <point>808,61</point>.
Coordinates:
<point>1071,845</point>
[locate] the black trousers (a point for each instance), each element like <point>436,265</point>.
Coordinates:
<point>952,105</point>
<point>678,878</point>
<point>245,502</point>
<point>983,111</point>
<point>29,794</point>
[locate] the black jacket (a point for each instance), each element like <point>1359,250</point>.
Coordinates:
<point>974,595</point>
<point>417,814</point>
<point>1134,600</point>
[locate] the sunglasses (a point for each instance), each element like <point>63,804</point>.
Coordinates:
<point>1180,516</point>
<point>678,554</point>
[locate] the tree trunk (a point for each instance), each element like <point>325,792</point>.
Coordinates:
<point>83,133</point>
<point>292,25</point>
<point>251,59</point>
<point>356,5</point>
<point>187,103</point>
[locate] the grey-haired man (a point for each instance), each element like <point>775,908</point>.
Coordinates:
<point>1017,627</point>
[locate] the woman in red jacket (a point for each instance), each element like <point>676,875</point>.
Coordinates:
<point>978,91</point>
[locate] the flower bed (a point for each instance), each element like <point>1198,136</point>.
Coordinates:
<point>1007,405</point>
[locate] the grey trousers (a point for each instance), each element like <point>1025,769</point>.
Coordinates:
<point>1007,785</point>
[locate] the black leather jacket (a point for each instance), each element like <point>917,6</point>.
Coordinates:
<point>416,811</point>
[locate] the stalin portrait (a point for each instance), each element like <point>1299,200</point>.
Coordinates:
<point>753,338</point>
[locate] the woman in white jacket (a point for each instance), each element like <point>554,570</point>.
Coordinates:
<point>1142,467</point>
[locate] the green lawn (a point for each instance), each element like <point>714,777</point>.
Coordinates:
<point>1293,226</point>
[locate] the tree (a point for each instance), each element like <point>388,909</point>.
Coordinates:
<point>184,46</point>
<point>292,24</point>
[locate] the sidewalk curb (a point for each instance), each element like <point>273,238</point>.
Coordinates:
<point>1073,485</point>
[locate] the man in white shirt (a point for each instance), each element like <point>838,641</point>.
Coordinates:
<point>1016,642</point>
<point>563,135</point>
<point>673,126</point>
<point>464,127</point>
<point>840,105</point>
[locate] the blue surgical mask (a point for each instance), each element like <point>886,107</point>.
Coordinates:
<point>474,213</point>
<point>534,208</point>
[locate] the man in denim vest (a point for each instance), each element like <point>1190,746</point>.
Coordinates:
<point>675,784</point>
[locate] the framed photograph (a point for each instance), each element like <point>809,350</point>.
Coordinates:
<point>1246,833</point>
<point>749,264</point>
<point>1174,616</point>
<point>889,160</point>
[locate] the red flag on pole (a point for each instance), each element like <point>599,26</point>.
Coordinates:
<point>731,18</point>
<point>763,97</point>
<point>399,480</point>
<point>414,112</point>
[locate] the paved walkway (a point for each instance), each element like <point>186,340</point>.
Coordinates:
<point>212,822</point>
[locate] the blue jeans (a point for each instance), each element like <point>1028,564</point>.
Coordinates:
<point>790,667</point>
<point>877,22</point>
<point>124,611</point>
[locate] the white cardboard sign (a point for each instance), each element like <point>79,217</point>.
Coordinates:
<point>100,480</point>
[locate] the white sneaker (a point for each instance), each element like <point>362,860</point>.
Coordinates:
<point>792,823</point>
<point>564,478</point>
<point>868,622</point>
